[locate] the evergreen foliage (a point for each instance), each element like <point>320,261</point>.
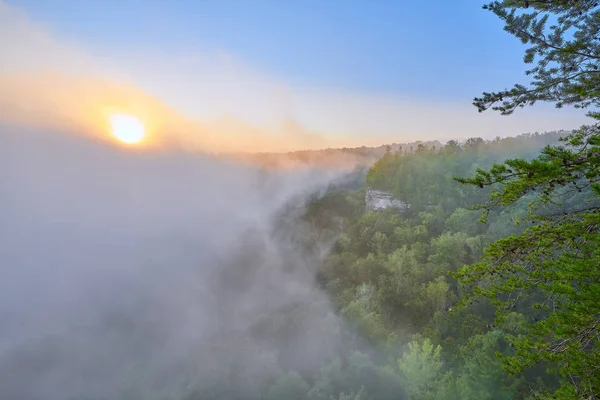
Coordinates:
<point>551,270</point>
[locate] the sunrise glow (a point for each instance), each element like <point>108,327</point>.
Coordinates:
<point>126,128</point>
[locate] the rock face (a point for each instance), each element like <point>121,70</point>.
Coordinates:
<point>379,200</point>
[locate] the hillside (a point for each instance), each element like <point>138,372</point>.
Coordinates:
<point>332,158</point>
<point>393,277</point>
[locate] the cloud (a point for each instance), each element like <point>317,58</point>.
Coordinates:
<point>147,275</point>
<point>83,106</point>
<point>214,101</point>
<point>377,119</point>
<point>47,83</point>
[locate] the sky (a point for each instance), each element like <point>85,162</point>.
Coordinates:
<point>264,75</point>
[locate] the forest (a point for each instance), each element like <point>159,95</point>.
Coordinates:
<point>173,275</point>
<point>398,279</point>
<point>488,285</point>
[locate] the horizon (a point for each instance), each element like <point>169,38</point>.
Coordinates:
<point>299,200</point>
<point>204,78</point>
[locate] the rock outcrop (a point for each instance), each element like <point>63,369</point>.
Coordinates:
<point>379,200</point>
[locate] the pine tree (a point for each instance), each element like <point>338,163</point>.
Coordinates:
<point>550,272</point>
<point>563,38</point>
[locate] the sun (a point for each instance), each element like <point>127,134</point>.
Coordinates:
<point>128,129</point>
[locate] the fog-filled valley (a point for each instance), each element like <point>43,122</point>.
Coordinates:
<point>288,200</point>
<point>173,275</point>
<point>127,273</point>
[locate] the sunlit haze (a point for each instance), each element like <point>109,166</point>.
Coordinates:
<point>209,85</point>
<point>126,128</point>
<point>282,200</point>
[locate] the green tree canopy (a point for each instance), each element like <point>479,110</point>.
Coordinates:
<point>553,267</point>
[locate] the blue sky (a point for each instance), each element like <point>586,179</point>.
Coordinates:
<point>449,49</point>
<point>365,71</point>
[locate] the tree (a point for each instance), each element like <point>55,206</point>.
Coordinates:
<point>360,395</point>
<point>553,266</point>
<point>552,269</point>
<point>288,386</point>
<point>482,376</point>
<point>363,312</point>
<point>434,297</point>
<point>421,367</point>
<point>563,38</point>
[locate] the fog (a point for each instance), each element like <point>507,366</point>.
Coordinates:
<point>132,275</point>
<point>218,100</point>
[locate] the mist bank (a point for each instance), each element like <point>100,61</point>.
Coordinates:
<point>154,275</point>
<point>135,274</point>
